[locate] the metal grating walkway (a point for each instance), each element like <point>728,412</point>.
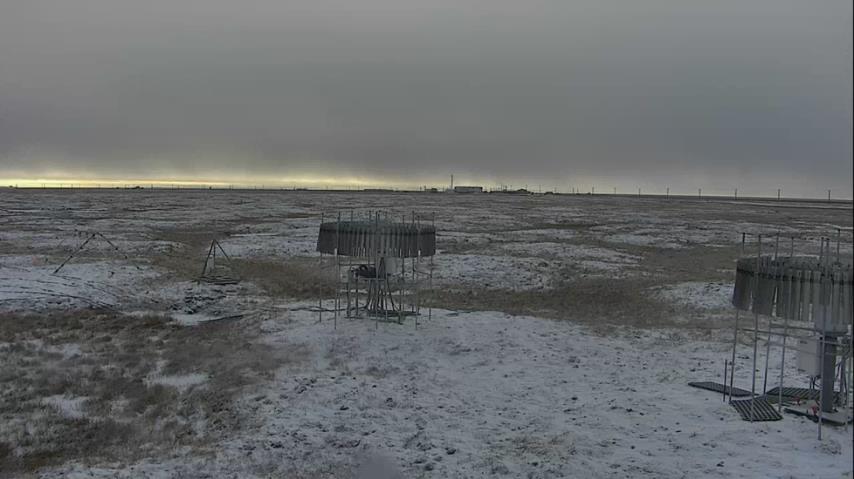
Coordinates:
<point>719,388</point>
<point>798,394</point>
<point>762,409</point>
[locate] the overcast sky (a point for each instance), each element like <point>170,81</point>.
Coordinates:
<point>754,94</point>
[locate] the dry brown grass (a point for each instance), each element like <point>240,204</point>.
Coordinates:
<point>298,278</point>
<point>116,355</point>
<point>690,264</point>
<point>186,262</point>
<point>607,302</point>
<point>592,301</point>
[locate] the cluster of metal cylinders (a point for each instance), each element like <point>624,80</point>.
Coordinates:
<point>802,289</point>
<point>377,238</point>
<point>381,256</point>
<point>799,288</point>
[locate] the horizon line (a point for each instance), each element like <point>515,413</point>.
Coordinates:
<point>220,186</point>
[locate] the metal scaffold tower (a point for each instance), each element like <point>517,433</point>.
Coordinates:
<point>796,300</point>
<point>382,267</point>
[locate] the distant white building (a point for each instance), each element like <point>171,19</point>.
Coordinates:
<point>468,189</point>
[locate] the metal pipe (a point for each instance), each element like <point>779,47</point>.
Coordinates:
<point>375,253</point>
<point>753,372</point>
<point>777,245</point>
<point>783,358</point>
<point>337,270</point>
<point>823,361</point>
<point>725,376</point>
<point>755,333</point>
<point>322,288</point>
<point>734,342</point>
<point>750,329</point>
<point>767,359</point>
<point>821,389</point>
<point>838,240</point>
<point>430,286</point>
<point>735,333</point>
<point>204,267</point>
<point>402,282</point>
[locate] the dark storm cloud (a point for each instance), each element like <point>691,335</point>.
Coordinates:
<point>720,93</point>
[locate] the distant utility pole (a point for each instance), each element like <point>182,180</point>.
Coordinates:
<point>828,195</point>
<point>778,194</point>
<point>615,190</point>
<point>592,190</point>
<point>699,192</point>
<point>639,192</point>
<point>735,195</point>
<point>668,193</point>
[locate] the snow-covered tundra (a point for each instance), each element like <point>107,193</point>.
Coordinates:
<point>562,336</point>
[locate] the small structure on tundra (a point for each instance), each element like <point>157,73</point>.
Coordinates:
<point>218,273</point>
<point>468,189</point>
<point>91,236</point>
<point>379,264</point>
<point>802,298</point>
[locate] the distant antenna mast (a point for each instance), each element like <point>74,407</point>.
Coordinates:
<point>452,182</point>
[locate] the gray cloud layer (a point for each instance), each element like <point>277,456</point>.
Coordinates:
<point>722,93</point>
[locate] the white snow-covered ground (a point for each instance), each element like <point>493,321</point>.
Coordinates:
<point>554,401</point>
<point>486,393</point>
<point>474,393</point>
<point>70,407</point>
<point>35,286</point>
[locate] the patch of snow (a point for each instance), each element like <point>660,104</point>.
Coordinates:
<point>495,272</point>
<point>641,240</point>
<point>698,294</point>
<point>99,284</point>
<point>485,393</point>
<point>543,234</point>
<point>294,243</point>
<point>510,396</point>
<point>179,382</point>
<point>68,406</point>
<point>67,350</point>
<point>191,319</point>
